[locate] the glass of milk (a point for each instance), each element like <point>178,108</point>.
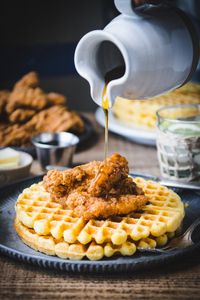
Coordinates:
<point>178,142</point>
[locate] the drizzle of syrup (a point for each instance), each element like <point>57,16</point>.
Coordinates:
<point>105,105</point>
<point>113,74</point>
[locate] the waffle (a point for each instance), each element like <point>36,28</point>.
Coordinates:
<point>40,215</point>
<point>142,113</point>
<point>77,251</point>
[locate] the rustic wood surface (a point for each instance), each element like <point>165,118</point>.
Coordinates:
<point>178,281</point>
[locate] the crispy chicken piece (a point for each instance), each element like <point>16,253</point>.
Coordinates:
<point>14,135</point>
<point>28,111</point>
<point>61,183</point>
<point>56,99</point>
<point>56,118</point>
<point>32,98</point>
<point>111,173</point>
<point>97,189</point>
<point>3,126</point>
<point>21,115</point>
<point>30,80</point>
<point>88,207</point>
<point>4,95</point>
<point>26,94</point>
<point>53,119</point>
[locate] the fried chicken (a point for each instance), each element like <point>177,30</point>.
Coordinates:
<point>56,99</point>
<point>61,183</point>
<point>27,111</point>
<point>56,118</point>
<point>30,80</point>
<point>21,115</point>
<point>53,119</point>
<point>90,207</point>
<point>15,135</point>
<point>4,95</point>
<point>97,189</point>
<point>111,173</point>
<point>31,98</point>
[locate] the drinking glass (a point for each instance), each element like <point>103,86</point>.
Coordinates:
<point>178,142</point>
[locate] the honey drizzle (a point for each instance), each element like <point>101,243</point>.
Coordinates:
<point>105,105</point>
<point>112,74</point>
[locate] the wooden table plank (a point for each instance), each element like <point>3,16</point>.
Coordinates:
<point>178,281</point>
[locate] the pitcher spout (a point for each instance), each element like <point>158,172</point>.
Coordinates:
<point>101,59</point>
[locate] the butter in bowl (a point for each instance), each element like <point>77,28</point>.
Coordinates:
<point>14,165</point>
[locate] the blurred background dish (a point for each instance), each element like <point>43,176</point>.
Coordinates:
<point>8,175</point>
<point>55,149</point>
<point>136,119</point>
<point>142,113</point>
<point>84,139</point>
<point>27,110</point>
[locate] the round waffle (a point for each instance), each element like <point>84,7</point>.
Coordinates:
<point>40,219</point>
<point>77,251</point>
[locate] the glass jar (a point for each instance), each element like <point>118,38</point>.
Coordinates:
<point>178,142</point>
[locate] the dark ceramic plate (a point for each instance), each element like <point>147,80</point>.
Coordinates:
<point>11,245</point>
<point>83,138</point>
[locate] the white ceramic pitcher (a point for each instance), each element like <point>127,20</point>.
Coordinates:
<point>158,48</point>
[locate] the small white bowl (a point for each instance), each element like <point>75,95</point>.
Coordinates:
<point>21,171</point>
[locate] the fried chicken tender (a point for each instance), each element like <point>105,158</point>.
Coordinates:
<point>21,115</point>
<point>56,118</point>
<point>27,95</point>
<point>3,126</point>
<point>97,189</point>
<point>27,111</point>
<point>33,98</point>
<point>4,95</point>
<point>97,207</point>
<point>56,99</point>
<point>111,173</point>
<point>14,135</point>
<point>53,119</point>
<point>61,183</point>
<point>30,80</point>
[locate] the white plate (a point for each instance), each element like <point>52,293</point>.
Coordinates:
<point>141,136</point>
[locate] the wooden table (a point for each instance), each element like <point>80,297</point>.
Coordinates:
<point>178,281</point>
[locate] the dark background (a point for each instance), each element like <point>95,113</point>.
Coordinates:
<point>42,36</point>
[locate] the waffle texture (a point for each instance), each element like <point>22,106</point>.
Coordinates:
<point>39,219</point>
<point>142,113</point>
<point>78,251</point>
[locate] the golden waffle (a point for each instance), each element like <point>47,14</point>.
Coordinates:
<point>142,113</point>
<point>77,251</point>
<point>163,214</point>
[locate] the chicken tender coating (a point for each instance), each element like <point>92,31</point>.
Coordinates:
<point>62,183</point>
<point>53,119</point>
<point>27,111</point>
<point>4,95</point>
<point>97,189</point>
<point>56,99</point>
<point>111,172</point>
<point>21,115</point>
<point>88,207</point>
<point>30,80</point>
<point>33,98</point>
